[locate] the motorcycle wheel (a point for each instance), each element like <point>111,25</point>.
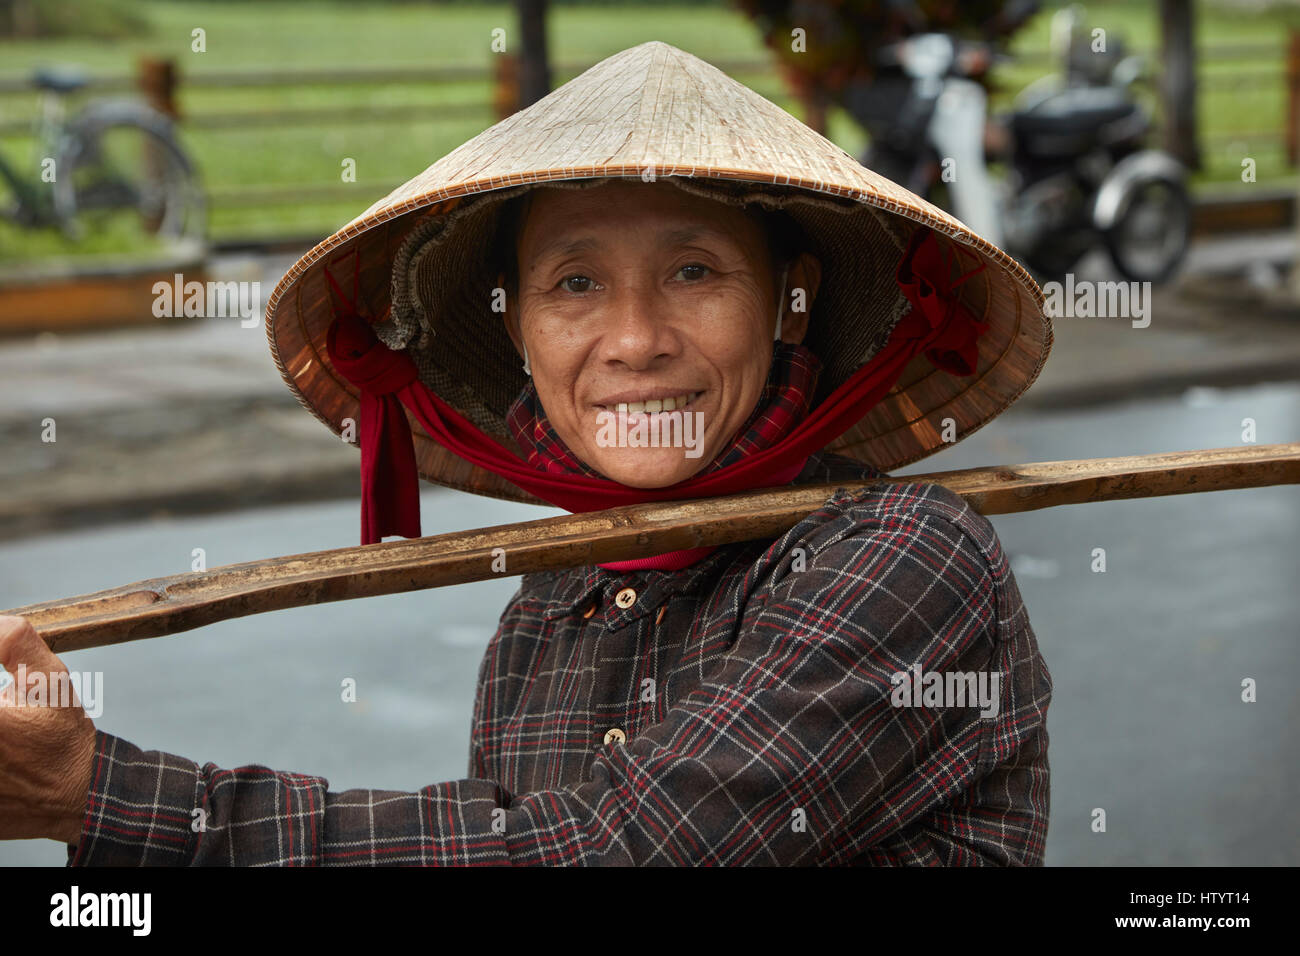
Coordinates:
<point>1149,240</point>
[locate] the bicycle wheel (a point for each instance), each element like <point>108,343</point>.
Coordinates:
<point>124,182</point>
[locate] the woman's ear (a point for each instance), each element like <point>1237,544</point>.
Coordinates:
<point>801,286</point>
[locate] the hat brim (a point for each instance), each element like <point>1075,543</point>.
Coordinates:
<point>848,210</point>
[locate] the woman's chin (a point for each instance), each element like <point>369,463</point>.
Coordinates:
<point>646,467</point>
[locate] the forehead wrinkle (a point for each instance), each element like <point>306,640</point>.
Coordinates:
<point>687,234</point>
<point>666,237</point>
<point>562,247</point>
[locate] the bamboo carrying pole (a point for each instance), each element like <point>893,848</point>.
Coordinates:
<point>185,601</point>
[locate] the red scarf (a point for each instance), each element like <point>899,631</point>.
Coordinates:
<point>937,325</point>
<point>782,405</point>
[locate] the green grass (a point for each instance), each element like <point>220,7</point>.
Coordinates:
<point>320,35</point>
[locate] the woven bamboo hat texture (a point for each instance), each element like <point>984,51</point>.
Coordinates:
<point>652,111</point>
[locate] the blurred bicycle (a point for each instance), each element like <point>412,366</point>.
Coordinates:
<point>116,169</point>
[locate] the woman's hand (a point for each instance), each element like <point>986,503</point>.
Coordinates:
<point>47,748</point>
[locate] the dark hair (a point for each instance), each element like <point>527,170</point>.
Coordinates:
<point>785,237</point>
<point>786,240</point>
<point>510,220</point>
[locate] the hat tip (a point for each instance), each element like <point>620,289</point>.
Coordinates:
<point>656,45</point>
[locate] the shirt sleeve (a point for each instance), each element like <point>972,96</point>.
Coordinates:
<point>794,749</point>
<point>509,619</point>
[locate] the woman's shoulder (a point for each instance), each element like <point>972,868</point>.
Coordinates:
<point>923,522</point>
<point>898,508</point>
<point>889,556</point>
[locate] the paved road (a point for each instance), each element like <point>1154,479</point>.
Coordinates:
<point>1147,659</point>
<point>193,415</point>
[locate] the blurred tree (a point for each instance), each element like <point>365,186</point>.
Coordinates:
<point>1178,51</point>
<point>534,60</point>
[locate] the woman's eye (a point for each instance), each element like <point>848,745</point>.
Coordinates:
<point>697,271</point>
<point>564,283</point>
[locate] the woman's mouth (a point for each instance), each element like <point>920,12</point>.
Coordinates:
<point>668,404</point>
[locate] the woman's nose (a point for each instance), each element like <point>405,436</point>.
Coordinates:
<point>637,330</point>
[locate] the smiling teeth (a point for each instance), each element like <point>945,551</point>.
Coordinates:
<point>658,405</point>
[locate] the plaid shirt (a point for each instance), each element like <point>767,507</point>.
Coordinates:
<point>743,710</point>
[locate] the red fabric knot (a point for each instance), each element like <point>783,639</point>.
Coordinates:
<point>357,352</point>
<point>365,361</point>
<point>390,494</point>
<point>950,329</point>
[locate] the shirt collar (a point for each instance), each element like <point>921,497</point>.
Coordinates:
<point>576,590</point>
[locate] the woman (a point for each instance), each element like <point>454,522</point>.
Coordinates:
<point>653,251</point>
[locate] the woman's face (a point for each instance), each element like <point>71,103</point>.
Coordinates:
<point>648,316</point>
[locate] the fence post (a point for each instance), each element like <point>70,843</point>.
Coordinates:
<point>157,82</point>
<point>505,86</point>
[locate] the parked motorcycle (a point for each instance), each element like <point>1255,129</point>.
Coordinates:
<point>1078,176</point>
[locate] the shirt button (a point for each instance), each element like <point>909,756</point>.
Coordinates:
<point>589,612</point>
<point>614,735</point>
<point>625,598</point>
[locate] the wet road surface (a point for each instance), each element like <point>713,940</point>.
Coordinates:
<point>1147,723</point>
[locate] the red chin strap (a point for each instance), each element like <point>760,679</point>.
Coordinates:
<point>937,325</point>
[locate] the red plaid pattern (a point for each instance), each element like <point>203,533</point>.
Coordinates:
<point>753,690</point>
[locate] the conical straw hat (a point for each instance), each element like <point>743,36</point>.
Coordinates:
<point>428,250</point>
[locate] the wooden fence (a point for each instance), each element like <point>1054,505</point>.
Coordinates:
<point>158,82</point>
